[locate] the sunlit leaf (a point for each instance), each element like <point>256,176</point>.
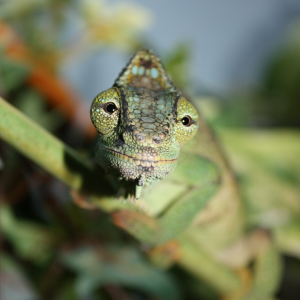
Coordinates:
<point>267,163</point>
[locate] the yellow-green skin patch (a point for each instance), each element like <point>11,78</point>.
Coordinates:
<point>141,139</point>
<point>182,133</point>
<point>101,120</point>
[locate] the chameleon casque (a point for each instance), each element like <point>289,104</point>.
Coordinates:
<point>193,215</point>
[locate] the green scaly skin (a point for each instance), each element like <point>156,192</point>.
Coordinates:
<point>142,122</point>
<point>198,206</point>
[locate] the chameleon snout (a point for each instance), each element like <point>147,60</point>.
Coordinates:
<point>147,139</point>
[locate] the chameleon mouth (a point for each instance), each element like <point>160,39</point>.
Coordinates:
<point>148,164</point>
<point>142,159</point>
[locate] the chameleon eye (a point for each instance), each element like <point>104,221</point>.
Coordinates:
<point>110,107</point>
<point>105,111</point>
<point>186,121</point>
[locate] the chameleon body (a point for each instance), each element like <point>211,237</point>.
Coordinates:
<point>195,217</point>
<point>142,122</point>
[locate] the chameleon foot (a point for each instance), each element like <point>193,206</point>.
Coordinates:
<point>139,187</point>
<point>138,191</point>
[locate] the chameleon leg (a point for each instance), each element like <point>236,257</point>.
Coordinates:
<point>138,191</point>
<point>265,275</point>
<point>199,263</point>
<point>264,279</point>
<point>267,270</point>
<point>158,231</point>
<point>179,214</point>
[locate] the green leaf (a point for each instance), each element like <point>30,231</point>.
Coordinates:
<point>33,105</point>
<point>267,163</point>
<point>12,73</point>
<point>30,240</point>
<point>124,266</point>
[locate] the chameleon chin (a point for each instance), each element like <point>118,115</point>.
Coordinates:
<point>142,122</point>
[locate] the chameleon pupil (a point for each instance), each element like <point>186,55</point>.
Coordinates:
<point>110,108</point>
<point>186,121</point>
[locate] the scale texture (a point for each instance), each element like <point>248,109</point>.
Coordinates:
<point>142,121</point>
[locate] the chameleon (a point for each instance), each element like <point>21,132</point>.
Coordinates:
<point>192,215</point>
<point>142,122</point>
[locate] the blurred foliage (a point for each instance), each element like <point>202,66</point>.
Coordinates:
<point>278,100</point>
<point>37,37</point>
<point>177,64</point>
<point>54,29</point>
<point>120,265</point>
<point>275,102</point>
<point>14,283</point>
<point>30,241</point>
<point>52,249</point>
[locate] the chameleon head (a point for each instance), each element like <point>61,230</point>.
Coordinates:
<point>142,122</point>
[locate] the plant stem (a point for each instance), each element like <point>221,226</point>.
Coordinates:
<point>40,146</point>
<point>58,159</point>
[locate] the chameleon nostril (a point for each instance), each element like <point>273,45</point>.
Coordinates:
<point>157,140</point>
<point>140,137</point>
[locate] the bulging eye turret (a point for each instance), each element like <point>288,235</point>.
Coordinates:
<point>187,121</point>
<point>105,111</point>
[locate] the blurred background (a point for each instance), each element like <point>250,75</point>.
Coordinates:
<point>240,63</point>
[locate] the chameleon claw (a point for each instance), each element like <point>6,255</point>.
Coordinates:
<point>139,187</point>
<point>138,191</point>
